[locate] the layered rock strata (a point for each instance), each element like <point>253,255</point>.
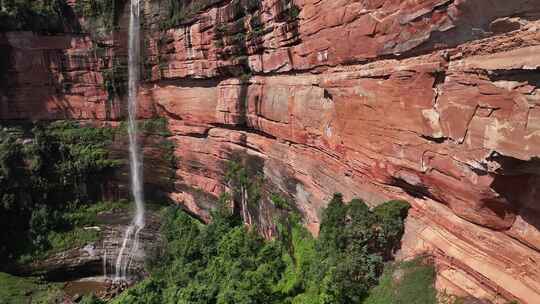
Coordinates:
<point>433,101</point>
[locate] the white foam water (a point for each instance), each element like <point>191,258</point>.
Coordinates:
<point>104,262</point>
<point>130,244</point>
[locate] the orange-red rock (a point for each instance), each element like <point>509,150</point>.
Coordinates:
<point>433,101</point>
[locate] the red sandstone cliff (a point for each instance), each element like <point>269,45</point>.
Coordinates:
<point>434,101</point>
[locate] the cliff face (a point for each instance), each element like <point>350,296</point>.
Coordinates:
<point>433,101</point>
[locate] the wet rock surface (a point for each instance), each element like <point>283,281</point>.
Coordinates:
<point>98,259</point>
<point>103,288</point>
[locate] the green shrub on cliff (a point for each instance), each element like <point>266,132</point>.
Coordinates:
<point>91,299</point>
<point>405,283</point>
<point>156,126</point>
<point>101,15</point>
<point>181,11</point>
<point>77,237</point>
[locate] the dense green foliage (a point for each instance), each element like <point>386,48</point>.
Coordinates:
<point>101,14</point>
<point>33,15</point>
<point>46,173</point>
<point>225,262</point>
<point>246,189</point>
<point>405,283</point>
<point>181,11</point>
<point>15,290</point>
<point>351,249</point>
<point>91,299</point>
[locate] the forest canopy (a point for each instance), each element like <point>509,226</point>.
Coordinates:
<point>226,262</point>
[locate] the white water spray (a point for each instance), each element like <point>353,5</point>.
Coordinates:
<point>130,244</point>
<point>104,262</point>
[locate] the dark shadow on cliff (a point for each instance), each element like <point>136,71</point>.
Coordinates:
<point>532,77</point>
<point>5,58</point>
<point>517,182</point>
<point>415,190</point>
<point>477,20</point>
<point>26,89</point>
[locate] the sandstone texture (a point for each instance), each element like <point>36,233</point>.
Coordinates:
<point>433,101</point>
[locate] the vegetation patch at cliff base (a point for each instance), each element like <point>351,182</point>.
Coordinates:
<point>408,282</point>
<point>16,290</point>
<point>226,262</point>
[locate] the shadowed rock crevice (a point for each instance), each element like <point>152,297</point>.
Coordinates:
<point>516,182</point>
<point>417,190</point>
<point>476,20</point>
<point>5,67</point>
<point>529,76</point>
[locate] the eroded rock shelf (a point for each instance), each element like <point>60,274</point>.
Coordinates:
<point>436,102</point>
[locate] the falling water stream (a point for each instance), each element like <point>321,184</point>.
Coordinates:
<point>130,244</point>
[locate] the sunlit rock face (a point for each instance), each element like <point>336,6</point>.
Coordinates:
<point>436,102</point>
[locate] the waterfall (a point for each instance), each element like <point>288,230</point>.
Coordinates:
<point>130,245</point>
<point>104,262</point>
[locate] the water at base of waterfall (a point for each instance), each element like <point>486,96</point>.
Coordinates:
<point>131,247</point>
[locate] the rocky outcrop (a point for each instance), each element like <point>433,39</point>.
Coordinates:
<point>436,102</point>
<point>51,77</point>
<point>98,258</point>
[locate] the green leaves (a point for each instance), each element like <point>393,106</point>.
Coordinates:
<point>409,282</point>
<point>44,168</point>
<point>19,290</point>
<point>101,13</point>
<point>91,299</point>
<point>181,11</point>
<point>390,219</point>
<point>33,15</point>
<point>146,292</point>
<point>352,246</point>
<point>225,263</point>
